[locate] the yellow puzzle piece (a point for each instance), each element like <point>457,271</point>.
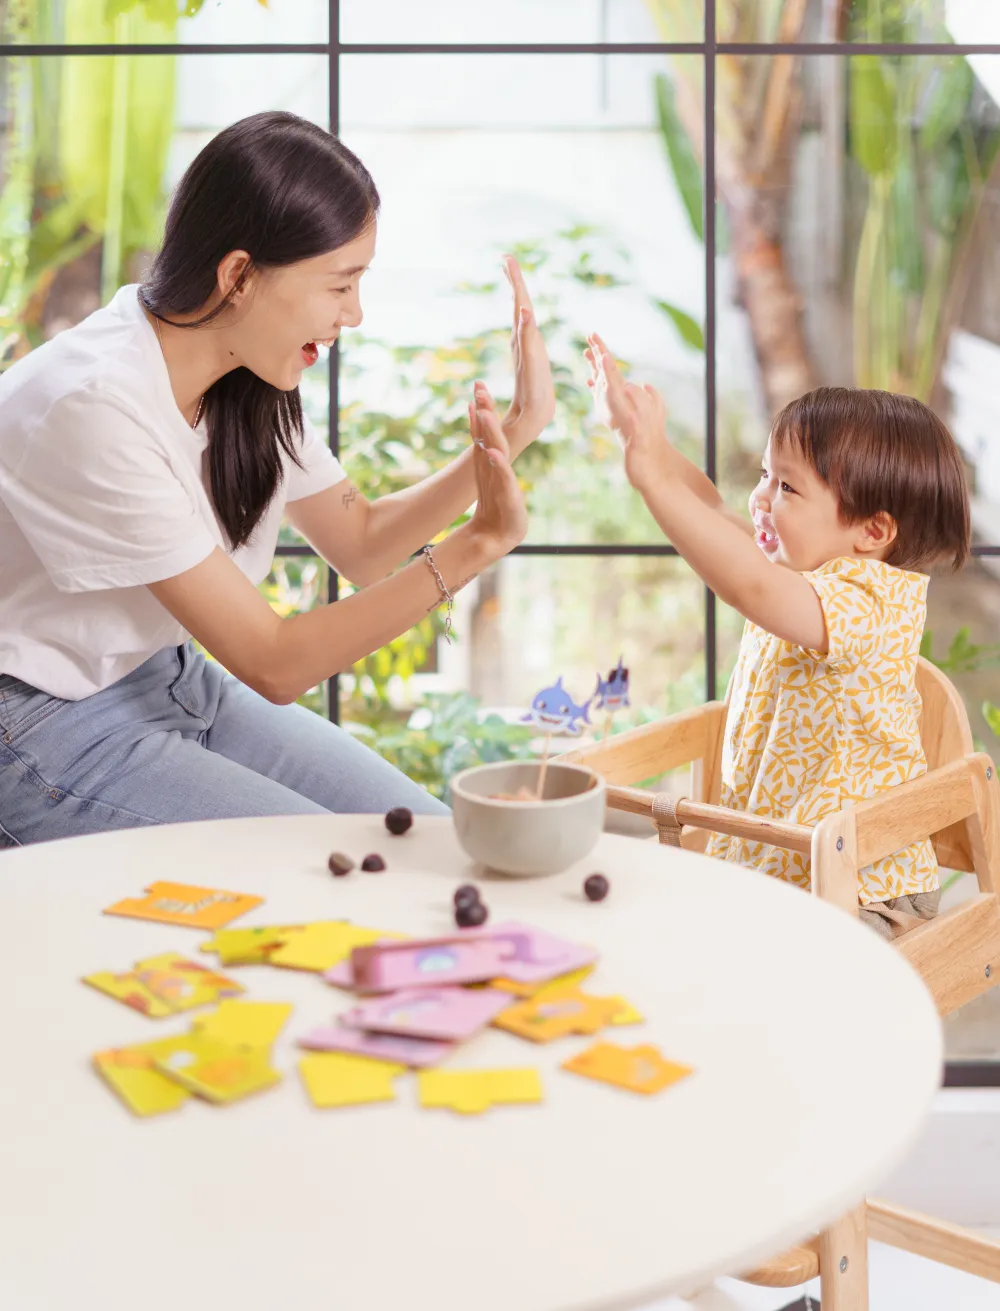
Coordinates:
<point>127,988</point>
<point>473,1091</point>
<point>638,1069</point>
<point>215,1070</point>
<point>325,944</point>
<point>571,980</point>
<point>245,1023</point>
<point>337,1079</point>
<point>249,946</point>
<point>143,1089</point>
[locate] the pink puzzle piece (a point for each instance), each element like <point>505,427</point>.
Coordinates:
<point>386,967</point>
<point>415,1052</point>
<point>532,956</point>
<point>448,1014</point>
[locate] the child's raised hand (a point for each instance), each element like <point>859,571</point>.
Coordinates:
<point>637,414</point>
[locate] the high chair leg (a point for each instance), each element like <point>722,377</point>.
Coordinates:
<point>843,1263</point>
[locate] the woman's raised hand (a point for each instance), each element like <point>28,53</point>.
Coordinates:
<point>500,519</point>
<point>637,414</point>
<point>534,403</point>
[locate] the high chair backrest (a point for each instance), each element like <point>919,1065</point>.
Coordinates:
<point>946,736</point>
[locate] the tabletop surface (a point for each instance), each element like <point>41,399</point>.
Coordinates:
<point>596,1199</point>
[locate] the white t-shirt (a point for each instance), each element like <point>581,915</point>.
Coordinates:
<point>102,491</point>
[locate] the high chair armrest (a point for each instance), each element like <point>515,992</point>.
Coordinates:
<point>647,752</point>
<point>718,819</point>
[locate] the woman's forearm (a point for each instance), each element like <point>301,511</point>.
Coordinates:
<point>403,522</point>
<point>319,643</point>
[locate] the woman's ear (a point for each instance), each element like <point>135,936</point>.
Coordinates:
<point>876,535</point>
<point>233,275</point>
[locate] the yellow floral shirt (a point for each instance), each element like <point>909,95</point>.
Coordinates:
<point>807,734</point>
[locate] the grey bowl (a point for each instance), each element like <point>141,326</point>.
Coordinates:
<point>528,838</point>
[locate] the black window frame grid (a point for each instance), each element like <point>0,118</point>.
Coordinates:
<point>958,1074</point>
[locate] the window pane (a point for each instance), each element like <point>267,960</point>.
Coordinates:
<point>517,628</point>
<point>133,22</point>
<point>456,22</point>
<point>559,159</point>
<point>966,22</point>
<point>294,585</point>
<point>862,225</point>
<point>89,150</point>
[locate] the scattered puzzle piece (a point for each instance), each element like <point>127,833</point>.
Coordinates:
<point>143,1089</point>
<point>180,903</point>
<point>638,1069</point>
<point>164,985</point>
<point>215,1070</point>
<point>626,1014</point>
<point>557,1014</point>
<point>323,945</point>
<point>335,1079</point>
<point>249,946</point>
<point>571,980</point>
<point>245,1023</point>
<point>470,1092</point>
<point>127,988</point>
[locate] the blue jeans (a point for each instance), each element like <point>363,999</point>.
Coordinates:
<point>178,739</point>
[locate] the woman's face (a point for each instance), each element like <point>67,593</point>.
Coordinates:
<point>287,313</point>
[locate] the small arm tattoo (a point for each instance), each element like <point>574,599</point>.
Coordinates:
<point>349,497</point>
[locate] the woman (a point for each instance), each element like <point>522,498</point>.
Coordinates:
<point>147,457</point>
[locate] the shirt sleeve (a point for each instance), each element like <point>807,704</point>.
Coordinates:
<point>320,467</point>
<point>98,501</point>
<point>867,609</point>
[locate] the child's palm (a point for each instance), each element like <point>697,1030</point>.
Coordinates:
<point>637,414</point>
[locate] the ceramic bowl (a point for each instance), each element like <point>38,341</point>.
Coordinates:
<point>528,838</point>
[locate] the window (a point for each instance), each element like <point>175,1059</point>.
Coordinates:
<point>853,150</point>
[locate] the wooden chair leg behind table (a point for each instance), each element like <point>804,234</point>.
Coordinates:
<point>843,1263</point>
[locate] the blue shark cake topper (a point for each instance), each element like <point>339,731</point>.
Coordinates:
<point>554,711</point>
<point>612,692</point>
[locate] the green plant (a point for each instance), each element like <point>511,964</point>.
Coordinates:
<point>445,734</point>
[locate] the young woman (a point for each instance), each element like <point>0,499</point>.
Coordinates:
<point>147,458</point>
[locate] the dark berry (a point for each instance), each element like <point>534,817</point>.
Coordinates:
<point>399,820</point>
<point>471,914</point>
<point>373,864</point>
<point>466,895</point>
<point>596,887</point>
<point>339,864</point>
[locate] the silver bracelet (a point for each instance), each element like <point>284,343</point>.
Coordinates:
<point>446,596</point>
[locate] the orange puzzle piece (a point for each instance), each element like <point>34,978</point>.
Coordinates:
<point>179,903</point>
<point>556,1015</point>
<point>638,1069</point>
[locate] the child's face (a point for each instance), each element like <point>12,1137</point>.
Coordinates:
<point>795,515</point>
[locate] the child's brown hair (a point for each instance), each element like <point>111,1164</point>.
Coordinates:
<point>883,453</point>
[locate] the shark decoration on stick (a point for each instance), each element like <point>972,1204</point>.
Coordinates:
<point>612,692</point>
<point>554,711</point>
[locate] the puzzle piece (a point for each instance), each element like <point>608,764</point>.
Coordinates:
<point>638,1069</point>
<point>249,946</point>
<point>557,1014</point>
<point>215,1070</point>
<point>626,1014</point>
<point>335,1079</point>
<point>183,984</point>
<point>180,903</point>
<point>323,945</point>
<point>571,980</point>
<point>470,1092</point>
<point>127,988</point>
<point>245,1023</point>
<point>143,1089</point>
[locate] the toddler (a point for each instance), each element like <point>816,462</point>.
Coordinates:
<point>860,493</point>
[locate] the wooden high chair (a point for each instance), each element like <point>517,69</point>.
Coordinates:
<point>957,803</point>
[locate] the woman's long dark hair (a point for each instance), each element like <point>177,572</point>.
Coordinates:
<point>283,190</point>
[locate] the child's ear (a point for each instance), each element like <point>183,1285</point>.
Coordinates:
<point>876,535</point>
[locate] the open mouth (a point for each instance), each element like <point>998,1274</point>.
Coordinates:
<point>310,353</point>
<point>767,541</point>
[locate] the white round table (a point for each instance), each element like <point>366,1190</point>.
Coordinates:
<point>597,1199</point>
